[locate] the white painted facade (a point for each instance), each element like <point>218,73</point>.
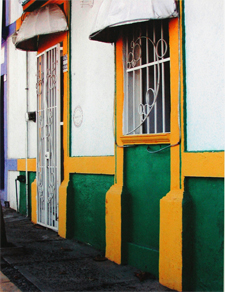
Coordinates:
<point>17,96</point>
<point>16,82</point>
<point>16,110</point>
<point>32,104</point>
<point>16,10</point>
<point>205,74</point>
<point>92,72</point>
<point>12,175</point>
<point>2,55</point>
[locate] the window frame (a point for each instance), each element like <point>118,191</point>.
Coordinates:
<point>160,138</point>
<point>147,78</point>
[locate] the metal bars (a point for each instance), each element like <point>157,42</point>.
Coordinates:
<point>147,80</point>
<point>48,160</point>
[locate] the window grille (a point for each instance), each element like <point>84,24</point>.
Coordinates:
<point>147,79</point>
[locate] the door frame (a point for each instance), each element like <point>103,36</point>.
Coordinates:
<point>58,135</point>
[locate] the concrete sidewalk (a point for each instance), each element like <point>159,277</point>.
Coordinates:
<point>40,260</point>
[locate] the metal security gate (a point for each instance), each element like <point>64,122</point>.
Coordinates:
<point>48,136</point>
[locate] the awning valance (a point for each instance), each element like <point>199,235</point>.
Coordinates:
<point>115,13</point>
<point>45,20</point>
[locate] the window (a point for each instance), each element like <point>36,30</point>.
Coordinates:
<point>147,78</point>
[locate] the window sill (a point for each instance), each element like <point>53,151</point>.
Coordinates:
<point>146,139</point>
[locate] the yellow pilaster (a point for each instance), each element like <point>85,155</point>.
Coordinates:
<point>170,251</point>
<point>66,110</point>
<point>113,196</point>
<point>34,201</point>
<point>62,208</point>
<point>113,223</point>
<point>170,245</point>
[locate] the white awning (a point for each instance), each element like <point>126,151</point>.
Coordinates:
<point>115,13</point>
<point>45,20</point>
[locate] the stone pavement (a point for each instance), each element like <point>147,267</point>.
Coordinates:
<point>39,260</point>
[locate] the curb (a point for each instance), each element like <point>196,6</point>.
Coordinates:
<point>6,285</point>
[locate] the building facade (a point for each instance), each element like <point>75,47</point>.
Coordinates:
<point>116,123</point>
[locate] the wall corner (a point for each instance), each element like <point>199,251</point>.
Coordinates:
<point>34,201</point>
<point>63,208</point>
<point>170,245</point>
<point>114,223</point>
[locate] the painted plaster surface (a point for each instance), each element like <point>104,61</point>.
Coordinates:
<point>22,187</point>
<point>17,103</point>
<point>32,104</point>
<point>11,190</point>
<point>2,55</point>
<point>86,208</point>
<point>16,10</point>
<point>205,81</point>
<point>92,86</point>
<point>146,181</point>
<point>16,79</point>
<point>170,259</point>
<point>203,235</point>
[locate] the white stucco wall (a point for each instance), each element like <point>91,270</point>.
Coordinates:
<point>16,101</point>
<point>92,86</point>
<point>2,55</point>
<point>16,10</point>
<point>16,82</point>
<point>12,175</point>
<point>32,104</point>
<point>204,24</point>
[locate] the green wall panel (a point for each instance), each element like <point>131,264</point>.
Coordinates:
<point>203,234</point>
<point>86,208</point>
<point>22,188</point>
<point>146,181</point>
<point>143,258</point>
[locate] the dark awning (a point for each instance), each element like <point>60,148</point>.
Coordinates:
<point>45,20</point>
<point>115,13</point>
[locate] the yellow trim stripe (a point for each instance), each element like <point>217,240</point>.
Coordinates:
<point>119,111</point>
<point>204,164</point>
<point>89,165</point>
<point>146,139</point>
<point>31,164</point>
<point>174,116</point>
<point>95,165</point>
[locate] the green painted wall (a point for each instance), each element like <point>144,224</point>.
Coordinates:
<point>146,181</point>
<point>86,208</point>
<point>22,188</point>
<point>203,234</point>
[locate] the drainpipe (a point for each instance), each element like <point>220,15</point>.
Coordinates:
<point>26,132</point>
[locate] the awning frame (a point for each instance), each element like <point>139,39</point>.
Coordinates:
<point>113,14</point>
<point>49,19</point>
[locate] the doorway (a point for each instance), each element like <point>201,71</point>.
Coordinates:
<point>48,136</point>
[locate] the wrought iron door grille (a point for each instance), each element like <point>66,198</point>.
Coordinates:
<point>48,162</point>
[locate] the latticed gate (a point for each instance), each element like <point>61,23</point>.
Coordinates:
<point>48,136</point>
